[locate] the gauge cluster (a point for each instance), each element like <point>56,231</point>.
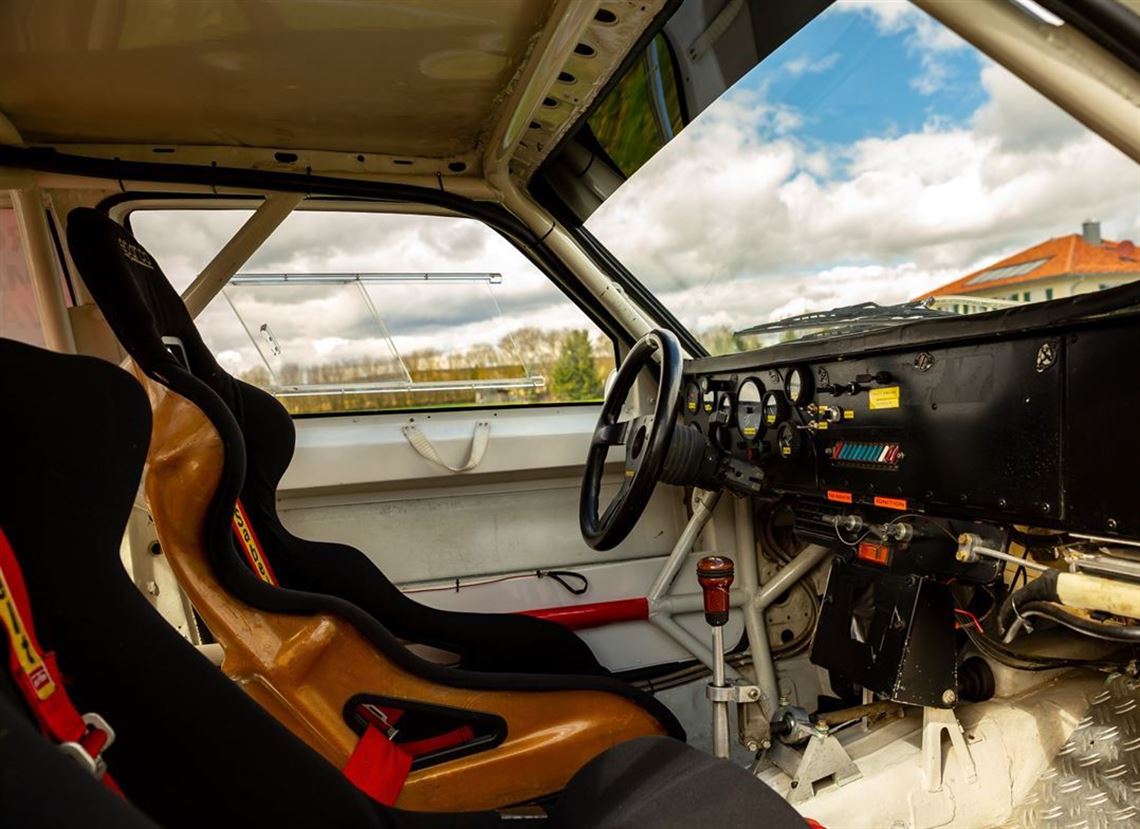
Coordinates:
<point>981,430</point>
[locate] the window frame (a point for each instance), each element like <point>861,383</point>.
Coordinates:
<point>121,206</point>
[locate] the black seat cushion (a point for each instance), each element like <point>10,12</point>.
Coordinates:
<point>663,784</point>
<point>142,307</point>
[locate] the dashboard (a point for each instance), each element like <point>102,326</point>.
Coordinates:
<point>1027,418</point>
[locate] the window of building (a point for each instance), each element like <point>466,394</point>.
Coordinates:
<point>1048,293</point>
<point>343,312</point>
<point>19,319</point>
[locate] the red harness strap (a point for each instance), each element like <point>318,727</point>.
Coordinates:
<point>82,737</point>
<point>250,545</point>
<point>379,766</point>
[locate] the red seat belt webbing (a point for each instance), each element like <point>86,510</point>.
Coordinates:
<point>35,672</point>
<point>378,767</point>
<point>250,545</point>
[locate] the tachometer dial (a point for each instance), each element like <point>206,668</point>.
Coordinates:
<point>692,398</point>
<point>799,385</point>
<point>775,408</point>
<point>724,410</point>
<point>787,441</point>
<point>749,414</point>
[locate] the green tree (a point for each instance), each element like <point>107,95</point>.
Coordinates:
<point>575,375</point>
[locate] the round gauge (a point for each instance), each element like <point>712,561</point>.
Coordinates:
<point>799,386</point>
<point>775,408</point>
<point>749,417</point>
<point>692,398</point>
<point>724,410</point>
<point>787,441</point>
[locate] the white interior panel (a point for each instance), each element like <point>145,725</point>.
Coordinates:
<point>356,480</point>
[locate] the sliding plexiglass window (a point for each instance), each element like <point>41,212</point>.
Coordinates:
<point>366,312</point>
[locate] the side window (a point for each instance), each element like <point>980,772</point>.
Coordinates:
<point>19,319</point>
<point>352,312</point>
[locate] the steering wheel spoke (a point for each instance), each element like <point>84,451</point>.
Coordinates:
<point>612,434</point>
<point>646,440</point>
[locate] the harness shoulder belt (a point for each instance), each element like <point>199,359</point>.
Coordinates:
<point>82,737</point>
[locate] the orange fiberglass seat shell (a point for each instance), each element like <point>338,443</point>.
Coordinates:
<point>308,656</point>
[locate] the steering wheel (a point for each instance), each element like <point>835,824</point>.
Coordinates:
<point>646,440</point>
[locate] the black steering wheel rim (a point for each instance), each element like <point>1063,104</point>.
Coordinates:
<point>646,440</point>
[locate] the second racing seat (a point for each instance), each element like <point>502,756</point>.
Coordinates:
<point>190,749</point>
<point>327,668</point>
<point>148,316</point>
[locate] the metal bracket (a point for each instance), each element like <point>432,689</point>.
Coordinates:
<point>934,722</point>
<point>739,694</point>
<point>824,756</point>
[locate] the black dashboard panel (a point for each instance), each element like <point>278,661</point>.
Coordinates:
<point>1032,426</point>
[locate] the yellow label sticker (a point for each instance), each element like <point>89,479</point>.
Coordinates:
<point>749,431</point>
<point>821,424</point>
<point>29,659</point>
<point>250,546</point>
<point>786,451</point>
<point>771,419</point>
<point>885,398</point>
<point>692,404</point>
<point>848,414</point>
<point>708,408</point>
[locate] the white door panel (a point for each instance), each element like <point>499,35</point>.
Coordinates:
<point>356,480</point>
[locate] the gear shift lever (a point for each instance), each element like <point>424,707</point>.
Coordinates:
<point>714,574</point>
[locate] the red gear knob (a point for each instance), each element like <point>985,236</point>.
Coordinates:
<point>714,574</point>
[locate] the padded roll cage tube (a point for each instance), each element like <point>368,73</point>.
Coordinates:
<point>46,160</point>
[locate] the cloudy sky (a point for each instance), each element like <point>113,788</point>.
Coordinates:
<point>872,157</point>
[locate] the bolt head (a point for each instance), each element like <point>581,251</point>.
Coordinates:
<point>949,697</point>
<point>753,745</point>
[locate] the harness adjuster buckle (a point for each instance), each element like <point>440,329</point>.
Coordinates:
<point>380,720</point>
<point>77,751</point>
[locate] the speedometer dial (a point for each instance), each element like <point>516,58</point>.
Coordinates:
<point>775,408</point>
<point>749,414</point>
<point>798,384</point>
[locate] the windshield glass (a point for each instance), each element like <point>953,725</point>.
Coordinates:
<point>874,157</point>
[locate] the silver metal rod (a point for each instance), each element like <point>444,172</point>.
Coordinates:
<point>347,278</point>
<point>792,572</point>
<point>702,512</point>
<point>755,626</point>
<point>692,644</point>
<point>1000,556</point>
<point>694,602</point>
<point>719,709</point>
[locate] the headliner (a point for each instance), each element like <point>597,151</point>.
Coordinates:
<point>400,77</point>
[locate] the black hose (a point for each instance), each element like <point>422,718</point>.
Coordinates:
<point>1056,613</point>
<point>1041,589</point>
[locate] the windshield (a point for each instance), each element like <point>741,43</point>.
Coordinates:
<point>875,157</point>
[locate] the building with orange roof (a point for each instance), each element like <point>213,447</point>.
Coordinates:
<point>1075,264</point>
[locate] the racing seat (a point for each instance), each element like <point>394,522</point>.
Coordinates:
<point>189,749</point>
<point>294,637</point>
<point>143,308</point>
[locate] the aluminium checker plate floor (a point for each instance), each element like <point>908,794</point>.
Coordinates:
<point>1094,781</point>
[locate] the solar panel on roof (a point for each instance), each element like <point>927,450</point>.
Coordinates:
<point>1008,271</point>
